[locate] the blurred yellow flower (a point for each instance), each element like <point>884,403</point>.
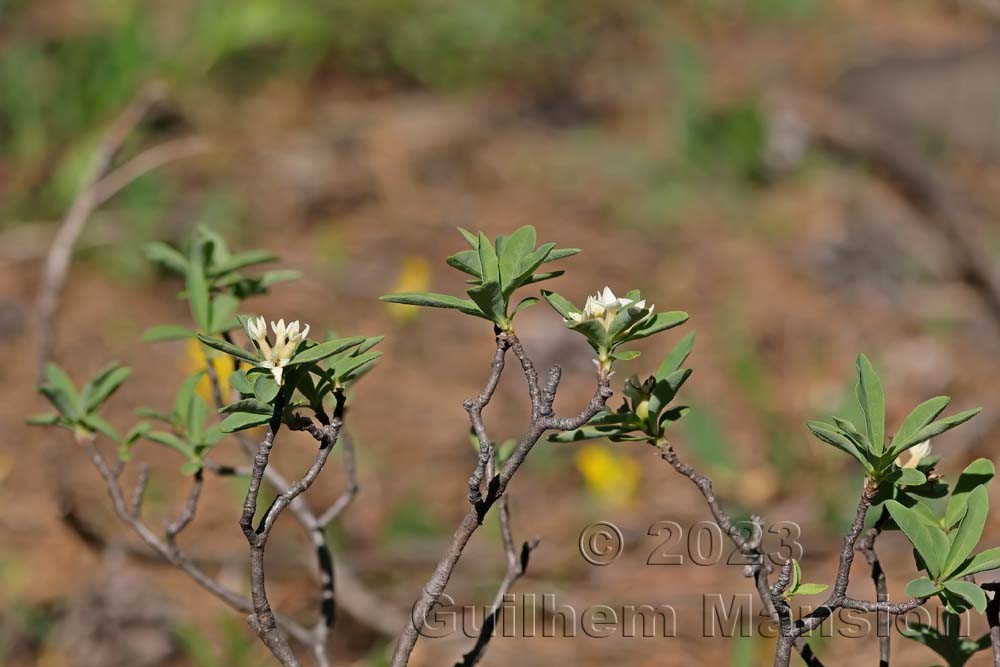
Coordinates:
<point>610,476</point>
<point>194,361</point>
<point>414,276</point>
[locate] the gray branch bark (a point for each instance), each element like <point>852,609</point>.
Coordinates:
<point>542,420</point>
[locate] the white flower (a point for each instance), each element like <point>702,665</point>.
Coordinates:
<point>604,306</point>
<point>286,340</point>
<point>911,457</point>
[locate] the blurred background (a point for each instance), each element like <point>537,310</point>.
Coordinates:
<point>807,178</point>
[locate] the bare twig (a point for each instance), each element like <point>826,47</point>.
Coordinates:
<point>262,619</point>
<point>751,547</point>
<point>168,552</point>
<point>351,490</point>
<point>145,162</point>
<point>140,490</point>
<point>474,406</point>
<point>96,188</point>
<point>517,565</point>
<point>190,507</point>
<point>867,546</point>
<point>542,420</point>
<point>993,618</point>
<point>838,596</point>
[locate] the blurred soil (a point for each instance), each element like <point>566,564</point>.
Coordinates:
<point>786,274</point>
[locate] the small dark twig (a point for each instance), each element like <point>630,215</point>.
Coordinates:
<point>541,421</point>
<point>757,565</point>
<point>866,545</point>
<point>139,491</point>
<point>351,490</point>
<point>190,507</point>
<point>993,618</point>
<point>517,565</point>
<point>474,406</point>
<point>168,552</point>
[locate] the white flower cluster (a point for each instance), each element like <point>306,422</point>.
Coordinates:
<point>604,306</point>
<point>286,339</point>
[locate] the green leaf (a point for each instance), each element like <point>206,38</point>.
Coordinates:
<point>149,413</point>
<point>593,331</point>
<point>223,317</point>
<point>103,386</point>
<point>241,260</point>
<point>166,332</point>
<point>97,424</point>
<point>673,414</point>
<point>560,304</point>
<point>47,419</point>
<point>810,589</point>
<point>228,348</point>
<point>657,323</point>
<point>136,432</point>
<point>976,474</point>
<point>677,356</point>
<point>920,535</point>
<point>518,245</point>
<point>981,562</point>
<point>274,277</point>
<point>968,591</point>
<point>185,396</point>
<point>831,436</point>
<point>238,381</point>
<point>921,416</point>
<point>625,319</point>
<point>212,436</point>
<point>466,261</point>
<point>265,388</point>
<point>197,412</point>
<point>539,277</point>
<point>239,421</point>
<point>585,433</point>
<point>369,343</point>
<point>627,355</point>
<point>937,428</point>
<point>872,400</point>
<point>324,350</point>
<point>921,588</point>
<point>490,299</point>
<point>166,256</point>
<point>529,264</point>
<point>253,405</point>
<point>134,435</point>
<point>470,237</point>
<point>192,466</point>
<point>969,531</point>
<point>429,300</point>
<point>524,303</point>
<point>561,253</point>
<point>197,287</point>
<point>60,391</point>
<point>488,261</point>
<point>170,440</point>
<point>349,367</point>
<point>665,390</point>
<point>848,428</point>
<point>910,477</point>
